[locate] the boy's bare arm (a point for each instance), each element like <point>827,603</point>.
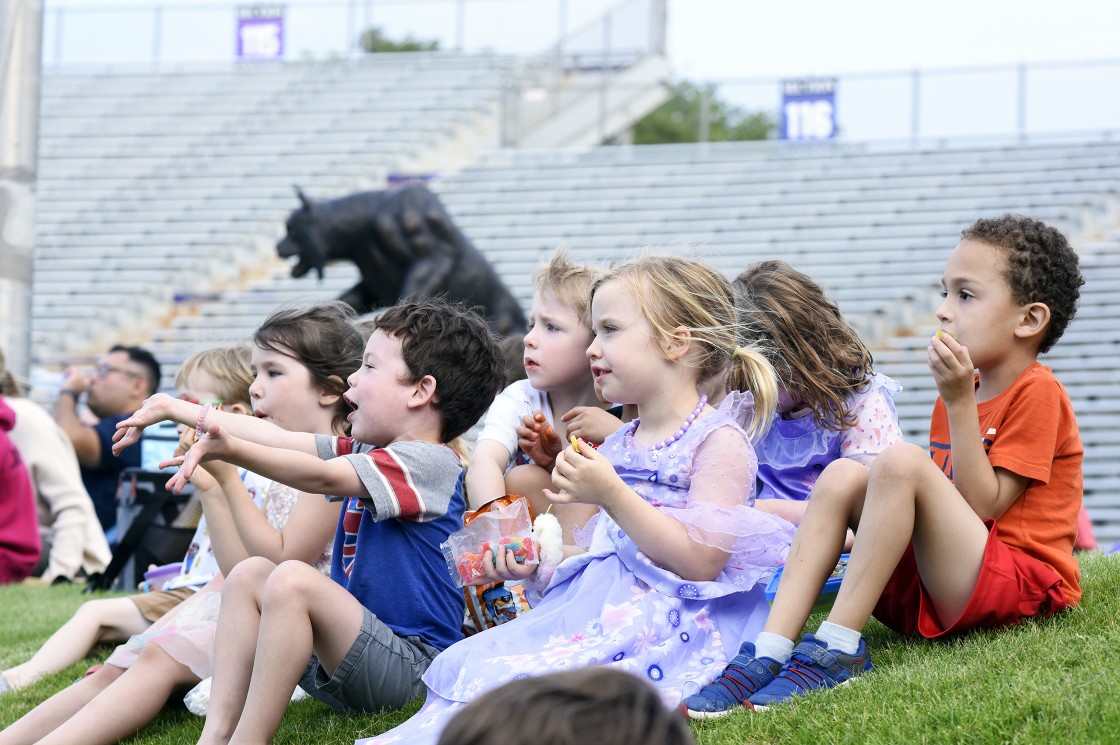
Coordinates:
<point>162,407</point>
<point>485,479</point>
<point>989,491</point>
<point>300,470</point>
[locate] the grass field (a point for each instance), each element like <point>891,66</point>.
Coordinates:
<point>1041,682</point>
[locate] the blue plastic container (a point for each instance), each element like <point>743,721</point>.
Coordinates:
<point>828,592</point>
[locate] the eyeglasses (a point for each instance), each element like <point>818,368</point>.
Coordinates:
<point>104,368</point>
<point>189,400</point>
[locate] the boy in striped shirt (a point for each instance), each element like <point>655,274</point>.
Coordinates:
<point>429,372</point>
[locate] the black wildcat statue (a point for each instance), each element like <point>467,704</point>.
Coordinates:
<point>405,245</point>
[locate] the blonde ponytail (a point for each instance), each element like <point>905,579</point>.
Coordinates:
<point>751,371</point>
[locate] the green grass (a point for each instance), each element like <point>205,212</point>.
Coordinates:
<point>1041,682</point>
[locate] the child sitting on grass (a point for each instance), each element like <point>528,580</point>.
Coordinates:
<point>558,381</point>
<point>980,535</point>
<point>429,372</point>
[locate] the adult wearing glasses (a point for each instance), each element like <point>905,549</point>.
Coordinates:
<point>120,383</point>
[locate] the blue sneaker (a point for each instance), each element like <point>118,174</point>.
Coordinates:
<point>743,676</point>
<point>812,666</point>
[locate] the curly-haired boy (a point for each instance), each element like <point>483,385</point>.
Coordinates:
<point>980,535</point>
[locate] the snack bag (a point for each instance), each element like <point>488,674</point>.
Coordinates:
<point>495,527</point>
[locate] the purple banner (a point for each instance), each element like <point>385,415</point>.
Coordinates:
<point>260,32</point>
<point>809,109</point>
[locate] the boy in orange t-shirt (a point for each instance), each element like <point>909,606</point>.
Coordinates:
<point>981,535</point>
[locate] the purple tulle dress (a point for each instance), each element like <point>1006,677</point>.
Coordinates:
<point>614,606</point>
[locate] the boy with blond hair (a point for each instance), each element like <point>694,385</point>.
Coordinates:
<point>523,430</point>
<point>981,535</point>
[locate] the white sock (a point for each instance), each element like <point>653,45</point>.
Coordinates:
<point>773,646</point>
<point>839,638</point>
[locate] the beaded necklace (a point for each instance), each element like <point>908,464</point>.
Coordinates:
<point>680,432</point>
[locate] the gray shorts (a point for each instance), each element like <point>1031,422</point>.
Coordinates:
<point>380,671</point>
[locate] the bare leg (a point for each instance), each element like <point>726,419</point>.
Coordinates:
<point>234,646</point>
<point>908,496</point>
<point>834,505</point>
<point>131,702</point>
<point>107,620</point>
<point>44,718</point>
<point>530,481</point>
<point>303,611</point>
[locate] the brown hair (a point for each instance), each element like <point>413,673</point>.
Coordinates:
<point>569,283</point>
<point>592,705</point>
<point>816,353</point>
<point>324,340</point>
<point>674,292</point>
<point>455,346</point>
<point>230,367</point>
<point>1041,267</point>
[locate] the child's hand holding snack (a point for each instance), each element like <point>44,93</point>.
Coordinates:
<point>583,474</point>
<point>539,440</point>
<point>951,366</point>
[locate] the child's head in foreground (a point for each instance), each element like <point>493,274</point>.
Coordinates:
<point>559,325</point>
<point>447,343</point>
<point>323,339</point>
<point>819,358</point>
<point>677,294</point>
<point>593,705</point>
<point>1034,261</point>
<point>219,376</point>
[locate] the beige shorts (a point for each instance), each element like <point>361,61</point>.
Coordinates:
<point>152,605</point>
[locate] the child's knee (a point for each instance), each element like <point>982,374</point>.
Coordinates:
<point>250,572</point>
<point>900,459</point>
<point>292,581</point>
<point>843,481</point>
<point>527,480</point>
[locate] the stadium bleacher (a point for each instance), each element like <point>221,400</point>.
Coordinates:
<point>160,183</point>
<point>172,195</point>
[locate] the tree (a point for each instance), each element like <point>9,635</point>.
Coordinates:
<point>678,119</point>
<point>374,41</point>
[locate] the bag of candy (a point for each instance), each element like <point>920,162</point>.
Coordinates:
<point>501,528</point>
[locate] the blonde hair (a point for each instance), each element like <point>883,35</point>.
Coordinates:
<point>569,283</point>
<point>674,293</point>
<point>230,367</point>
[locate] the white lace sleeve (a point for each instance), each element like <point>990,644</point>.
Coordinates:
<point>877,422</point>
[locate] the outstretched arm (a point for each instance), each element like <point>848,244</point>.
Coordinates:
<point>162,407</point>
<point>297,469</point>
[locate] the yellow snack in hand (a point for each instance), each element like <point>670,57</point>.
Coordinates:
<point>575,443</point>
<point>943,331</point>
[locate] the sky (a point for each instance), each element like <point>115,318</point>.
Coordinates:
<point>746,46</point>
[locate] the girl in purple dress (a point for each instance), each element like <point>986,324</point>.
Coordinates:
<point>831,402</point>
<point>835,414</point>
<point>673,574</point>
